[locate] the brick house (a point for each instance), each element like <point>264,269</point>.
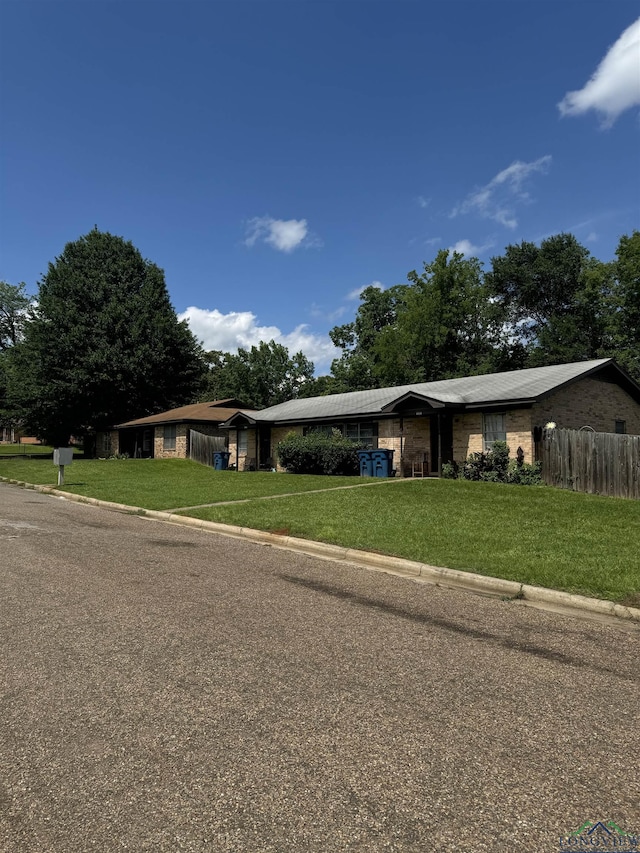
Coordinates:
<point>430,423</point>
<point>166,434</point>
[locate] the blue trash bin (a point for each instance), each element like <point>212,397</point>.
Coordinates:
<point>382,462</point>
<point>221,460</point>
<point>366,463</point>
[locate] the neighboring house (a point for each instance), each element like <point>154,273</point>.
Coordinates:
<point>430,423</point>
<point>166,435</point>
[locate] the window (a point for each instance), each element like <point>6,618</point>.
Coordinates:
<point>621,427</point>
<point>169,442</point>
<point>494,430</point>
<point>366,434</point>
<point>243,444</point>
<point>362,433</point>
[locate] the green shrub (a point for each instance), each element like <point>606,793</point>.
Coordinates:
<point>490,467</point>
<point>524,474</point>
<point>448,471</point>
<point>494,466</point>
<point>498,460</point>
<point>319,453</point>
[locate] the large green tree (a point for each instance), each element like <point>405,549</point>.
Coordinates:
<point>104,344</point>
<point>260,376</point>
<point>556,298</point>
<point>446,327</point>
<point>14,310</point>
<point>625,316</point>
<point>440,325</point>
<point>565,305</point>
<point>358,368</point>
<point>14,305</point>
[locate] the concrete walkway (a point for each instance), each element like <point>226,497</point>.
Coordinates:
<point>373,481</point>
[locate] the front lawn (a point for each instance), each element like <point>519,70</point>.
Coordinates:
<point>547,537</point>
<point>161,483</point>
<point>537,535</point>
<point>25,449</point>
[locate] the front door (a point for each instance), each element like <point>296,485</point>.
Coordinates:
<point>264,447</point>
<point>441,440</point>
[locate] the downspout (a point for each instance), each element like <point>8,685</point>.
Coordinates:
<point>401,446</point>
<point>237,451</point>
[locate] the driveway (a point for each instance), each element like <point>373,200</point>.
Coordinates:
<point>165,689</point>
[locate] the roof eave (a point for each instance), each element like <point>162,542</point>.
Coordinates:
<point>502,404</point>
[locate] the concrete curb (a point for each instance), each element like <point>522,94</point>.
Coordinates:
<point>540,597</point>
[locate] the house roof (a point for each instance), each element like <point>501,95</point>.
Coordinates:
<point>516,387</point>
<point>214,411</point>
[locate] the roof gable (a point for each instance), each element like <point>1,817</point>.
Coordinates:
<point>214,411</point>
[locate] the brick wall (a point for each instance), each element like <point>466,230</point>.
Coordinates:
<point>520,433</point>
<point>590,402</point>
<point>416,441</point>
<point>107,443</point>
<point>159,450</point>
<point>468,434</point>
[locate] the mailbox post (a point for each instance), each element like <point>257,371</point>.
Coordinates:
<point>62,456</point>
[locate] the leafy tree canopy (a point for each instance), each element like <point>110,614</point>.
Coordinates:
<point>441,324</point>
<point>104,344</point>
<point>14,309</point>
<point>447,326</point>
<point>539,304</point>
<point>357,368</point>
<point>625,324</point>
<point>262,376</point>
<point>14,305</point>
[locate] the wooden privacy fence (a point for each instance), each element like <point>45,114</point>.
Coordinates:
<point>602,463</point>
<point>202,447</point>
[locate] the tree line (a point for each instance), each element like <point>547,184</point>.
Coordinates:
<point>536,305</point>
<point>101,343</point>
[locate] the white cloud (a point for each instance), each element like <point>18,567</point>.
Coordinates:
<point>285,235</point>
<point>240,330</point>
<point>423,202</point>
<point>469,249</point>
<point>355,294</point>
<point>496,200</point>
<point>615,85</point>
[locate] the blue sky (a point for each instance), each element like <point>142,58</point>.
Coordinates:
<point>276,157</point>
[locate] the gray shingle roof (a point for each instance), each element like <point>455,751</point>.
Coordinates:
<point>511,386</point>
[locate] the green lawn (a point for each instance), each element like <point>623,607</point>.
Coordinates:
<point>24,449</point>
<point>161,483</point>
<point>537,535</point>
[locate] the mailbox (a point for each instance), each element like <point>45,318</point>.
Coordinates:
<point>63,456</point>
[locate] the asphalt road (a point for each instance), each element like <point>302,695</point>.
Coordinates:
<point>166,689</point>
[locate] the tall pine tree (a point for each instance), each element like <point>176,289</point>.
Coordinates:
<point>104,344</point>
